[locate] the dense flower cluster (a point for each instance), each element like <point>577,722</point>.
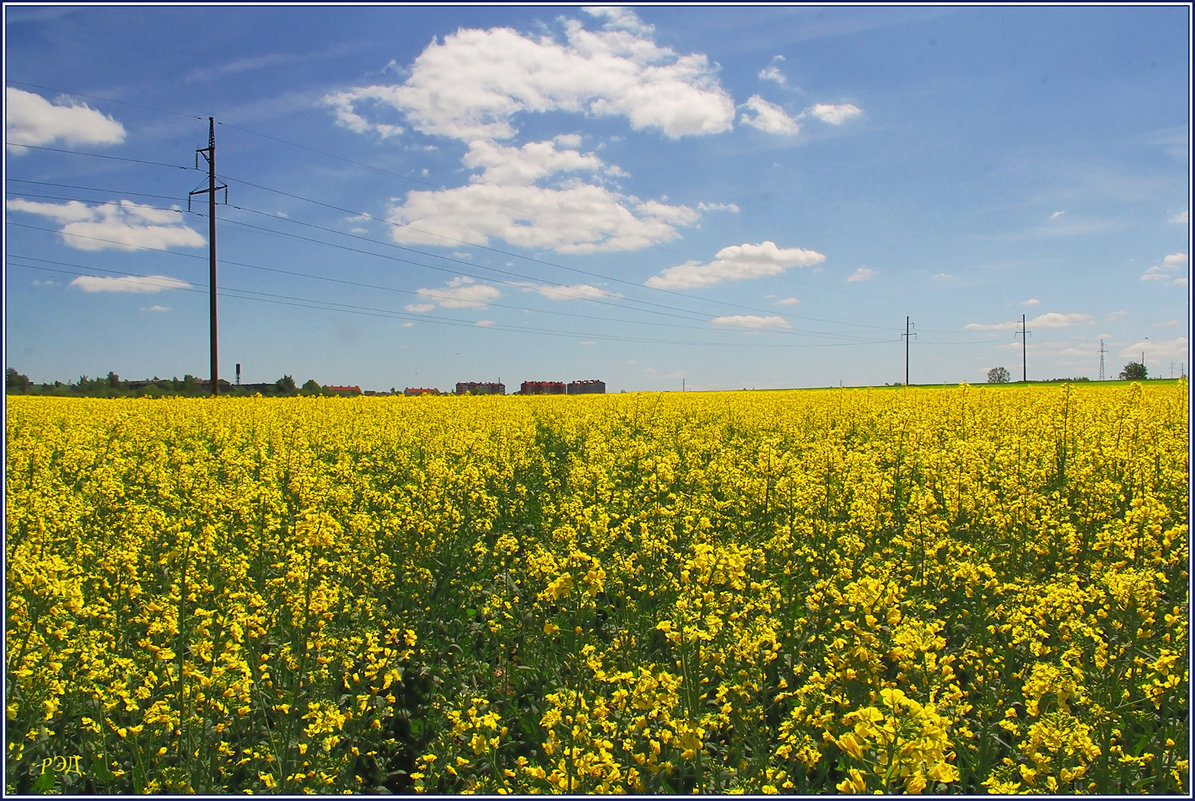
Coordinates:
<point>961,590</point>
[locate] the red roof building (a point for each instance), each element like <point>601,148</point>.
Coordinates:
<point>480,388</point>
<point>542,388</point>
<point>590,386</point>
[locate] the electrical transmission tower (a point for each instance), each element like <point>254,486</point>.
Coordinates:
<point>1024,335</point>
<point>906,335</point>
<point>1102,352</point>
<point>209,154</point>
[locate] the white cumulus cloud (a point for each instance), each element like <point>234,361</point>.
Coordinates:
<point>122,226</point>
<point>736,263</point>
<point>525,165</point>
<point>733,208</point>
<point>862,274</point>
<point>620,17</point>
<point>474,84</point>
<point>30,119</point>
<point>756,321</point>
<point>1047,320</point>
<point>771,118</point>
<point>139,284</point>
<point>573,219</point>
<point>768,117</point>
<point>460,293</point>
<point>831,113</point>
<point>1060,320</point>
<point>1166,271</point>
<point>569,292</point>
<point>479,87</point>
<point>772,73</point>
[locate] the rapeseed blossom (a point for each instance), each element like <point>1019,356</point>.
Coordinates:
<point>957,590</point>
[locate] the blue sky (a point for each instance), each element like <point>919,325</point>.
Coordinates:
<point>655,196</point>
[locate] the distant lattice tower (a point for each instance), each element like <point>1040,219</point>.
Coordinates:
<point>1101,360</point>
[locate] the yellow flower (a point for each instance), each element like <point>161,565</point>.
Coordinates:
<point>853,784</point>
<point>849,744</point>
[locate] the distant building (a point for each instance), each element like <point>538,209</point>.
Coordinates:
<point>344,390</point>
<point>411,392</point>
<point>542,388</point>
<point>590,386</point>
<point>480,388</point>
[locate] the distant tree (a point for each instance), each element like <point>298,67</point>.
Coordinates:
<point>286,385</point>
<point>92,387</point>
<point>311,387</point>
<point>998,375</point>
<point>15,382</point>
<point>1134,371</point>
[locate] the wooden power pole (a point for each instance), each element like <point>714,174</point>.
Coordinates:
<point>209,154</point>
<point>1024,334</point>
<point>907,336</point>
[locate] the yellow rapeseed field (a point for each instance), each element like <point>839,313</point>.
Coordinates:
<point>961,590</point>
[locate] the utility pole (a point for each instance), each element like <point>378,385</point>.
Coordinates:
<point>1024,334</point>
<point>906,336</point>
<point>209,154</point>
<point>1102,352</point>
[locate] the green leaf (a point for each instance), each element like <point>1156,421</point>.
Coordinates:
<point>44,783</point>
<point>100,772</point>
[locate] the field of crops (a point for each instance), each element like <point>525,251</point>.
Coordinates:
<point>961,590</point>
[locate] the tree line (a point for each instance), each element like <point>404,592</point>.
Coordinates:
<point>1133,371</point>
<point>113,386</point>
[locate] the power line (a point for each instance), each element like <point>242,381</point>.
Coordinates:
<point>483,247</point>
<point>373,167</point>
<point>369,311</point>
<point>613,302</point>
<point>348,282</point>
<point>512,254</point>
<point>81,188</point>
<point>849,339</point>
<point>97,155</point>
<point>408,177</point>
<point>104,99</point>
<point>532,259</point>
<point>603,301</point>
